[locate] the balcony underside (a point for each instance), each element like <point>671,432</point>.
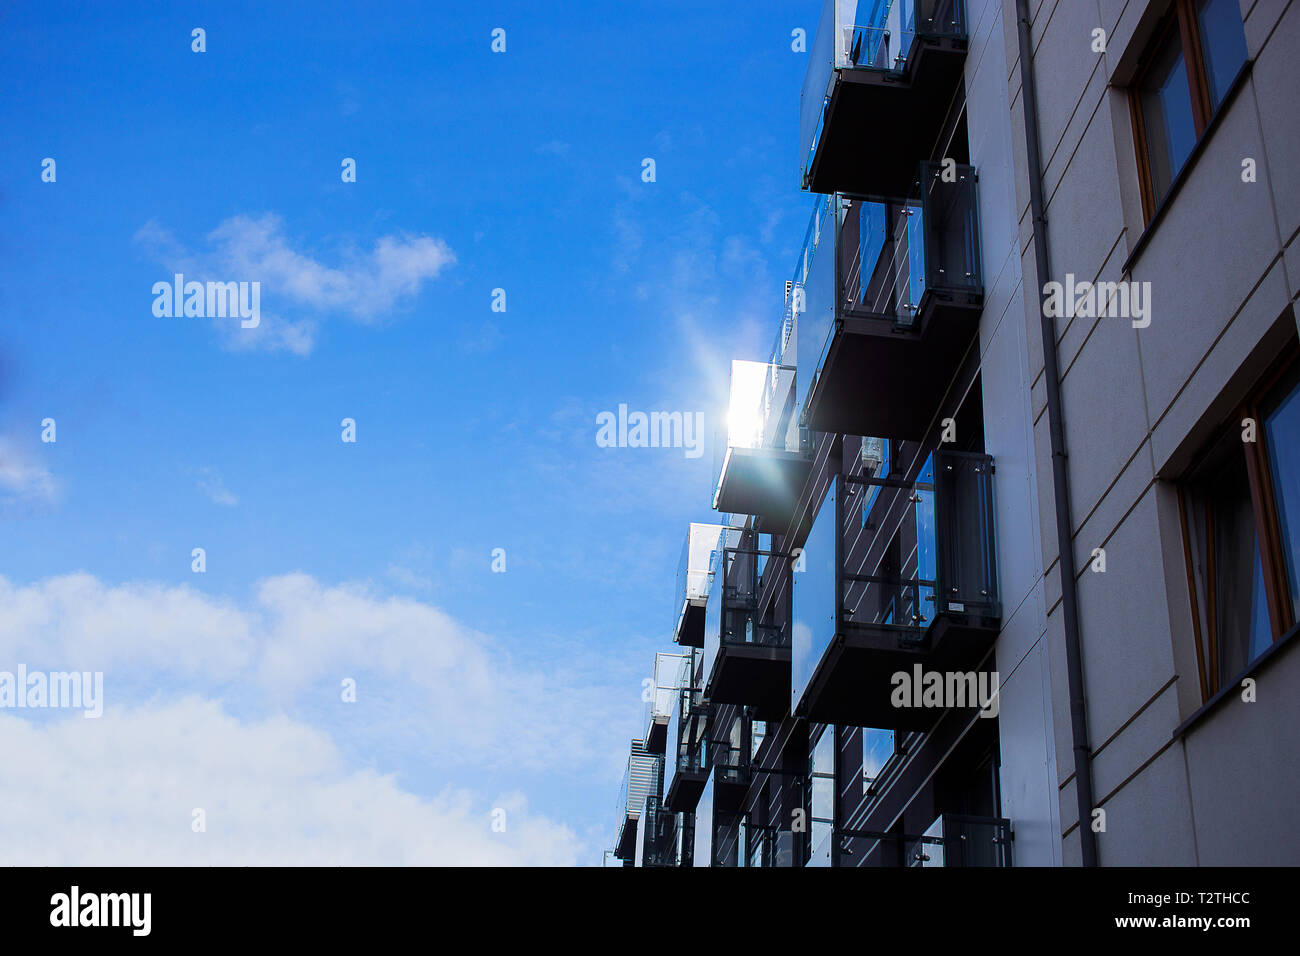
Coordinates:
<point>878,125</point>
<point>756,675</point>
<point>656,736</point>
<point>876,380</point>
<point>684,790</point>
<point>626,847</point>
<point>690,630</point>
<point>762,481</point>
<point>853,683</point>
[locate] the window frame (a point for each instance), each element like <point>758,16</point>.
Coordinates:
<point>1268,533</point>
<point>1181,17</point>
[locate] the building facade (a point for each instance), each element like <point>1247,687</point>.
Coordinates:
<point>1007,567</point>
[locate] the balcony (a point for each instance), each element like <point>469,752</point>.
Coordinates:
<point>958,840</point>
<point>746,662</point>
<point>766,459</point>
<point>666,683</point>
<point>881,77</point>
<point>644,777</point>
<point>662,835</point>
<point>732,772</point>
<point>689,770</point>
<point>878,347</point>
<point>694,579</point>
<point>914,584</point>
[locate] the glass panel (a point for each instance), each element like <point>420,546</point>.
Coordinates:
<point>783,854</point>
<point>877,748</point>
<point>929,851</point>
<point>665,687</point>
<point>882,36</point>
<point>868,222</point>
<point>816,85</point>
<point>926,544</point>
<point>815,598</point>
<point>1282,431</point>
<point>975,841</point>
<point>1167,114</point>
<point>882,273</point>
<point>712,626</point>
<point>951,259</point>
<point>967,568</point>
<point>693,568</point>
<point>704,827</point>
<point>1223,44</point>
<point>875,464</point>
<point>909,260</point>
<point>821,770</point>
<point>815,275</point>
<point>821,855</point>
<point>899,590</point>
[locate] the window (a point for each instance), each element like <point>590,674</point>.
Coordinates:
<point>1241,517</point>
<point>821,787</point>
<point>1184,77</point>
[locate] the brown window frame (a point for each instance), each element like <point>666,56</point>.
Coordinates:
<point>1277,585</point>
<point>1181,17</point>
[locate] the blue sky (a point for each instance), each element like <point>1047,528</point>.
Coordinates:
<point>475,429</point>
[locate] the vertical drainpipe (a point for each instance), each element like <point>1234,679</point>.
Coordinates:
<point>1060,477</point>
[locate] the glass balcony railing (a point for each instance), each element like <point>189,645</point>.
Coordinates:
<point>716,610</point>
<point>880,265</point>
<point>666,683</point>
<point>704,828</point>
<point>765,448</point>
<point>941,561</point>
<point>873,36</point>
<point>761,418</point>
<point>694,578</point>
<point>660,832</point>
<point>692,754</point>
<point>815,618</point>
<point>689,755</point>
<point>959,840</point>
<point>732,765</point>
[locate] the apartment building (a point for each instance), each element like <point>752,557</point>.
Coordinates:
<point>1007,563</point>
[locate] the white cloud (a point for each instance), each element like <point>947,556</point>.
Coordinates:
<point>210,484</point>
<point>299,637</point>
<point>77,621</point>
<point>364,285</point>
<point>122,790</point>
<point>235,707</point>
<point>26,486</point>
